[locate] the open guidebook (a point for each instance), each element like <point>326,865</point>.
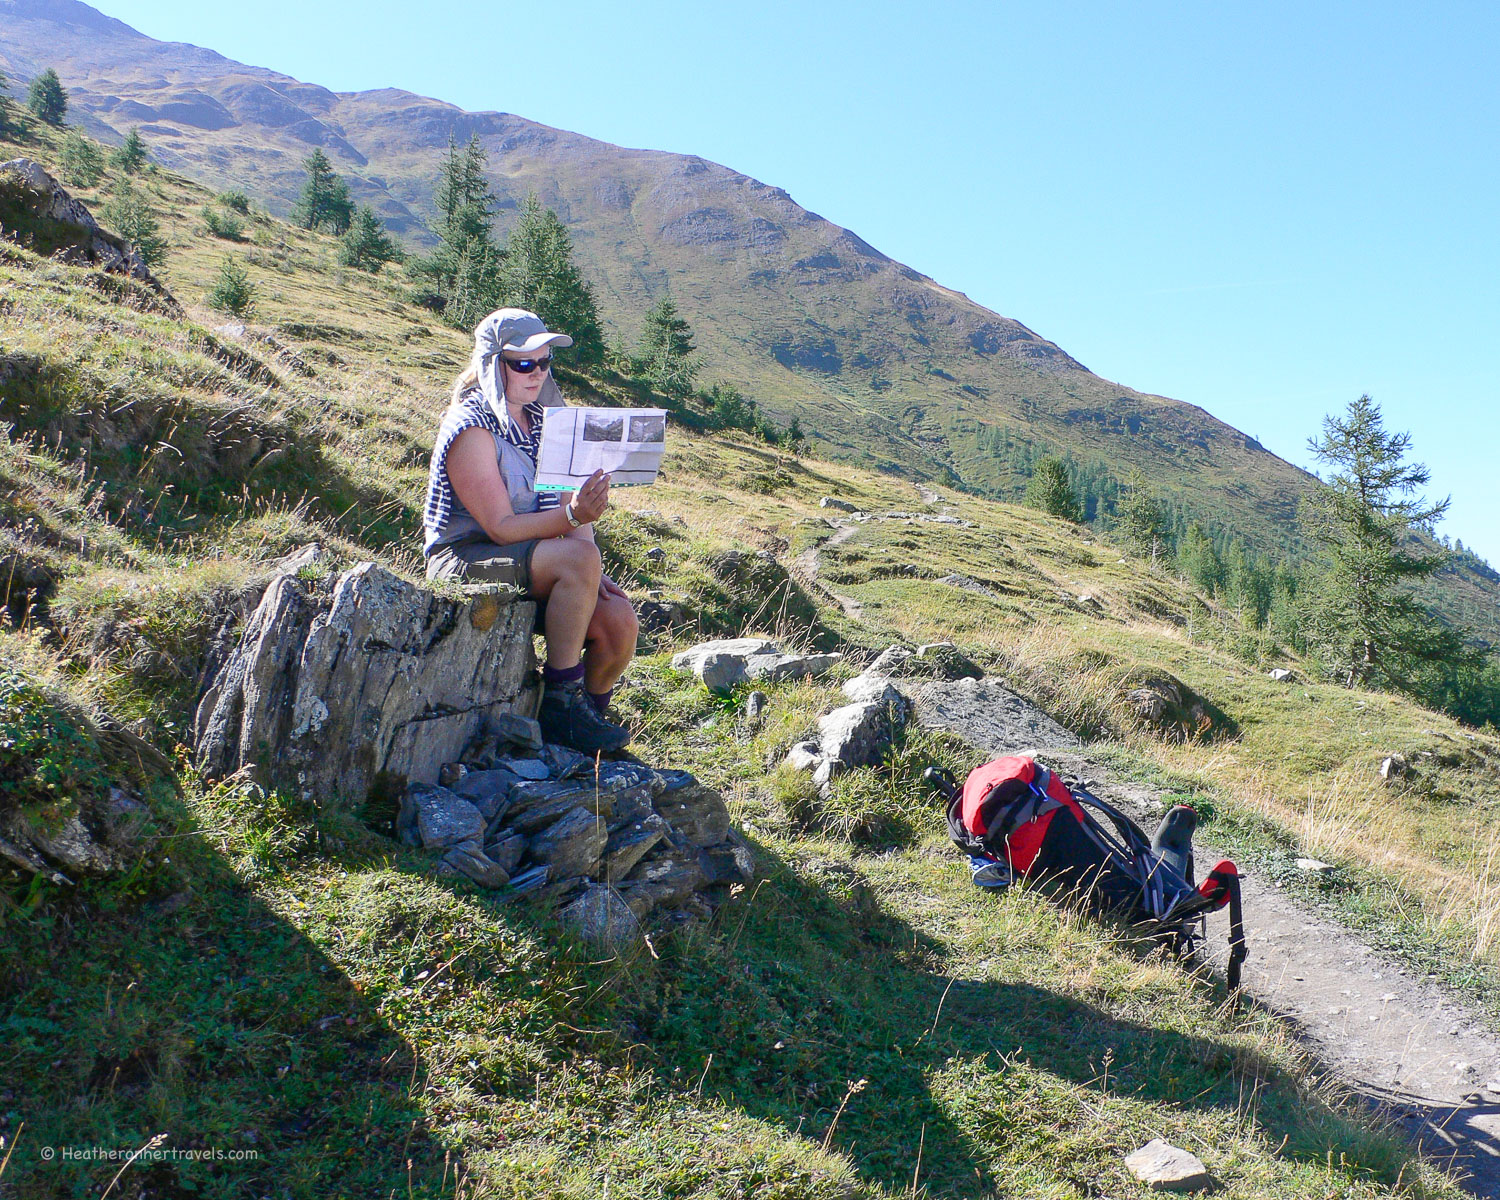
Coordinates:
<point>624,443</point>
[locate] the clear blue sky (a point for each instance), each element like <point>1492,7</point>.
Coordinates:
<point>1262,209</point>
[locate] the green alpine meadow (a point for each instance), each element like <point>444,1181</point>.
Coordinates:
<point>277,997</point>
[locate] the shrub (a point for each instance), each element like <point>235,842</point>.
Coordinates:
<point>232,291</point>
<point>235,200</point>
<point>223,224</point>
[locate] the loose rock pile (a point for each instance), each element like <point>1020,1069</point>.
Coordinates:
<point>606,843</point>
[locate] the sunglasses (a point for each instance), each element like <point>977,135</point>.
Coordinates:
<point>525,366</point>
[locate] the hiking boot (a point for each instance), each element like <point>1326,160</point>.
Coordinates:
<point>568,718</point>
<point>1173,840</point>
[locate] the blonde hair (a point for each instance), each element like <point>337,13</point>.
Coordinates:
<point>468,378</point>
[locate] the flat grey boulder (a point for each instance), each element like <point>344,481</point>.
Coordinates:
<point>729,662</point>
<point>444,819</point>
<point>572,845</point>
<point>837,505</point>
<point>890,661</point>
<point>631,843</point>
<point>469,860</point>
<point>730,862</point>
<point>863,689</point>
<point>1280,675</point>
<point>804,756</point>
<point>1164,1167</point>
<point>858,735</point>
<point>695,811</point>
<point>989,716</point>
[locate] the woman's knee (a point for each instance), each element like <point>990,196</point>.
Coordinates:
<point>576,561</point>
<point>615,627</point>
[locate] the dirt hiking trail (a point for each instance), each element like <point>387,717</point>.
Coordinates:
<point>1425,1057</point>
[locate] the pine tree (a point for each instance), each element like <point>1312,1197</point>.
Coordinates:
<point>4,100</point>
<point>366,244</point>
<point>1051,491</point>
<point>1140,520</point>
<point>539,274</point>
<point>82,161</point>
<point>47,99</point>
<point>464,270</point>
<point>232,291</point>
<point>130,157</point>
<point>325,201</point>
<point>665,354</point>
<point>1362,617</point>
<point>129,214</point>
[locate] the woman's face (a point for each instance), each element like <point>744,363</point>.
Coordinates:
<point>523,389</point>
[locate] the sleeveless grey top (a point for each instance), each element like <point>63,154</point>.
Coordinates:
<point>445,520</point>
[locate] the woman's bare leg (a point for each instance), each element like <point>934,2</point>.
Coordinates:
<point>611,641</point>
<point>565,572</point>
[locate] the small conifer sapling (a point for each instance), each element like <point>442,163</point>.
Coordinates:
<point>232,291</point>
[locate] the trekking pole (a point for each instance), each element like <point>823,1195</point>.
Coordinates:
<point>942,782</point>
<point>1238,951</point>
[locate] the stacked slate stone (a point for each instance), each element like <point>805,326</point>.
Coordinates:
<point>606,843</point>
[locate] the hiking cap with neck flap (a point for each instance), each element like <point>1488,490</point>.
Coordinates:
<point>520,332</point>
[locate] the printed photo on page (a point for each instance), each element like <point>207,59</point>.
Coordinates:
<point>625,443</point>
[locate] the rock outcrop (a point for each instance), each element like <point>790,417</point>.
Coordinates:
<point>372,681</point>
<point>989,716</point>
<point>38,212</point>
<point>93,837</point>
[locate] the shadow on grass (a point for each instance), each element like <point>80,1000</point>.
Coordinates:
<point>200,1014</point>
<point>807,989</point>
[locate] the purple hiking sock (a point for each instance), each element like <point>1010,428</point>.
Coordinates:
<point>573,674</point>
<point>601,700</point>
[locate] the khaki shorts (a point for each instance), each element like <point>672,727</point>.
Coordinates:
<point>484,562</point>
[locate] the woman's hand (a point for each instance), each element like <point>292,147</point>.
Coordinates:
<point>608,587</point>
<point>590,501</point>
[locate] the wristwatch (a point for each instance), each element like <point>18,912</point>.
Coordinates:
<point>572,520</point>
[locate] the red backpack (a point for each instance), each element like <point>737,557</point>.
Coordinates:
<point>1013,816</point>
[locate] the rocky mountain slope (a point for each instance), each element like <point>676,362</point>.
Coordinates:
<point>883,365</point>
<point>286,984</point>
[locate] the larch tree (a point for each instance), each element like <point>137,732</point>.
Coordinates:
<point>47,99</point>
<point>539,274</point>
<point>325,201</point>
<point>1361,616</point>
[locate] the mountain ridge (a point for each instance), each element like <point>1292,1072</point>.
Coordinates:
<point>881,363</point>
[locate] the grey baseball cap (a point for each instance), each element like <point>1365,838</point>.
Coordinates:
<point>518,331</point>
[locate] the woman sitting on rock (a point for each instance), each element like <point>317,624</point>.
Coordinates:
<point>485,521</point>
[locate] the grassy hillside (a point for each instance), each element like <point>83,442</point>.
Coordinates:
<point>884,366</point>
<point>291,985</point>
